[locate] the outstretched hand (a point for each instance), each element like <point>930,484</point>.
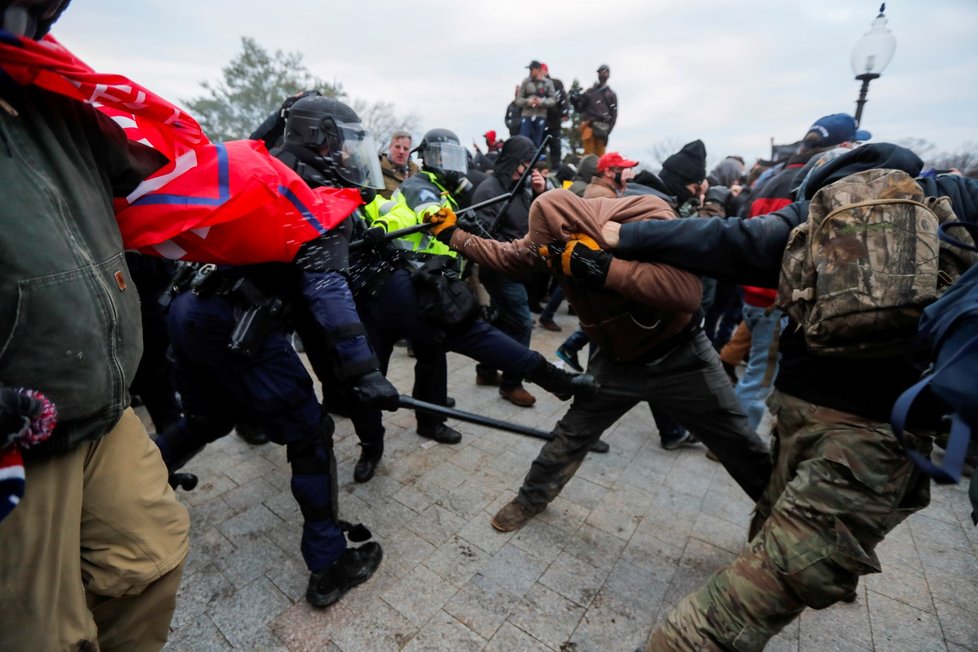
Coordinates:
<point>580,258</point>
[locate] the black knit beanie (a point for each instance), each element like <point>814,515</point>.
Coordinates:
<point>688,164</point>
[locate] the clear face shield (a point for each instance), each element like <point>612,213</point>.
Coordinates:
<point>446,156</point>
<point>356,161</point>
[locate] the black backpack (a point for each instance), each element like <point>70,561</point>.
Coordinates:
<point>949,327</point>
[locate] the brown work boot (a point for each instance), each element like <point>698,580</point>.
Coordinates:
<point>551,325</point>
<point>514,516</point>
<point>518,396</point>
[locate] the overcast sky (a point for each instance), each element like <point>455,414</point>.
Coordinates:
<point>733,73</point>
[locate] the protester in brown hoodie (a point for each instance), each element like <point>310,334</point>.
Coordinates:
<point>649,346</point>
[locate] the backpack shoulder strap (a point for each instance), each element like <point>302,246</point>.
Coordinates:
<point>957,446</point>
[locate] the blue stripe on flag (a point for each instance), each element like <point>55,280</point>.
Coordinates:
<point>223,188</point>
<point>306,213</point>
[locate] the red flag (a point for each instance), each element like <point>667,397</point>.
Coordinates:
<point>223,203</point>
<point>239,206</point>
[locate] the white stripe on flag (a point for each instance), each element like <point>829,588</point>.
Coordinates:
<point>185,161</point>
<point>170,249</point>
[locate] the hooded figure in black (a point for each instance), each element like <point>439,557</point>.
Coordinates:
<point>516,151</point>
<point>509,296</point>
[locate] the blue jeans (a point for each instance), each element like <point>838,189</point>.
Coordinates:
<point>556,298</point>
<point>576,341</point>
<point>750,390</point>
<point>512,317</point>
<point>534,129</point>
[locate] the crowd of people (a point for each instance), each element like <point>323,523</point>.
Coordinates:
<point>541,104</point>
<point>674,276</point>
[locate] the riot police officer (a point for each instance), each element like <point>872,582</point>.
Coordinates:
<point>394,289</point>
<point>230,344</point>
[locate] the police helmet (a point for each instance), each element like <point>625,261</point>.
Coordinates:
<point>332,130</point>
<point>444,156</point>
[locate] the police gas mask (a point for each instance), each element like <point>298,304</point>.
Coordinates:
<point>30,18</point>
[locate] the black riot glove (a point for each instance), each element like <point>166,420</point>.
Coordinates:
<point>373,390</point>
<point>16,412</point>
<point>292,99</point>
<point>579,258</point>
<point>375,236</point>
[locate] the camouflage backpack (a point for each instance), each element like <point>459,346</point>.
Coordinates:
<point>858,273</point>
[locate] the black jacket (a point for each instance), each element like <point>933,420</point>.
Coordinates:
<point>556,113</point>
<point>750,251</point>
<point>514,223</point>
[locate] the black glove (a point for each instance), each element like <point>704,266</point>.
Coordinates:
<point>580,258</point>
<point>292,99</point>
<point>16,412</point>
<point>373,390</point>
<point>375,236</point>
<point>718,194</point>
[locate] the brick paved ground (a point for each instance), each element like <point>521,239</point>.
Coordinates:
<point>632,533</point>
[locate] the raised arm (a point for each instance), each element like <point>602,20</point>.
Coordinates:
<point>744,251</point>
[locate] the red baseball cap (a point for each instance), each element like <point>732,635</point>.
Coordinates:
<point>545,69</point>
<point>614,160</point>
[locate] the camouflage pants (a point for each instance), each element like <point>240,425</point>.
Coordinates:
<point>840,484</point>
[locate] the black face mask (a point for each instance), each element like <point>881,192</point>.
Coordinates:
<point>618,178</point>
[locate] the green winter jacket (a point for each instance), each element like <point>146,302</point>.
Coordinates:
<point>69,313</point>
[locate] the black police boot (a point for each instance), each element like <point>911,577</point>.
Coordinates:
<point>185,481</point>
<point>440,433</point>
<point>178,445</point>
<point>353,568</point>
<point>367,464</point>
<point>560,383</point>
<point>251,434</point>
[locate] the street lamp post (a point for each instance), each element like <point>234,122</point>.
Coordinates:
<point>871,54</point>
